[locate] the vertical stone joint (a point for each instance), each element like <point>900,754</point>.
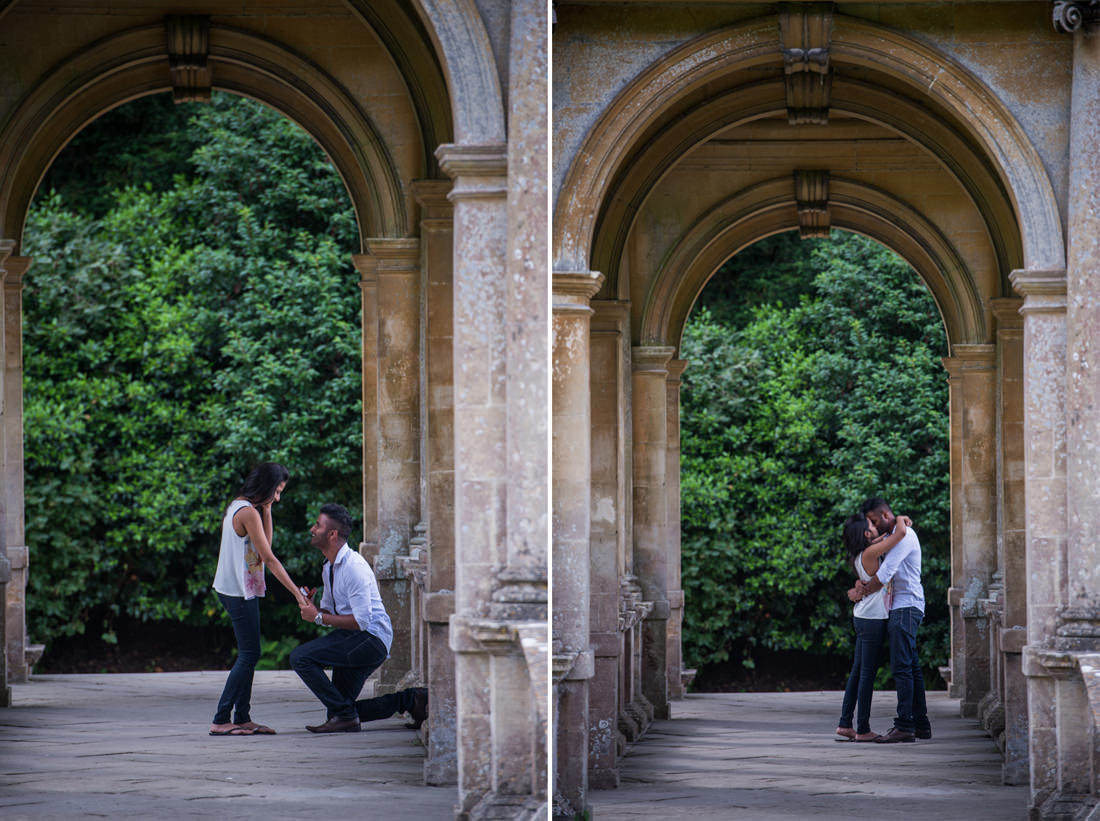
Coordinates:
<point>811,192</point>
<point>805,34</point>
<point>188,50</point>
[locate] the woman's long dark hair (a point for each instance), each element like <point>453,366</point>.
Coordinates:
<point>855,536</point>
<point>260,484</point>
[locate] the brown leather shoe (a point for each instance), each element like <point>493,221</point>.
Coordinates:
<point>894,736</point>
<point>336,725</point>
<point>925,733</point>
<point>419,710</point>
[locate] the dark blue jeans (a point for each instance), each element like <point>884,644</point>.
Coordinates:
<point>352,654</point>
<point>908,678</point>
<point>870,634</point>
<point>372,709</point>
<point>237,693</point>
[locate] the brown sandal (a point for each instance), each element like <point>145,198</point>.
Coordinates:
<point>234,730</point>
<point>258,729</point>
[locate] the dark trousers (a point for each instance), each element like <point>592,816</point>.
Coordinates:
<point>352,654</point>
<point>237,693</point>
<point>373,709</point>
<point>908,678</point>
<point>870,633</point>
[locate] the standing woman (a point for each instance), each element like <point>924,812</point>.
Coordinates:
<point>865,548</point>
<point>239,583</point>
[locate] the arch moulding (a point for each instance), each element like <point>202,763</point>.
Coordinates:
<point>637,112</point>
<point>460,38</point>
<point>134,63</point>
<point>770,208</point>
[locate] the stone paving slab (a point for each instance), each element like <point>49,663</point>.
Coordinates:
<point>771,757</point>
<point>128,746</point>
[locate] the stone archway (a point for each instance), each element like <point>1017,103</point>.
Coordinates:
<point>772,207</point>
<point>408,100</point>
<point>719,139</point>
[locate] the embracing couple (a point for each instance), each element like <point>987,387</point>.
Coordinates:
<point>885,554</point>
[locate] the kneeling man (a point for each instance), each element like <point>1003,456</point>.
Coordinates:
<point>361,633</point>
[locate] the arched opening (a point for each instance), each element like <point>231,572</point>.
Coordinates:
<point>193,310</point>
<point>813,380</point>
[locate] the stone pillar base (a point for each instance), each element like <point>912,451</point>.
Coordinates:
<point>1066,807</point>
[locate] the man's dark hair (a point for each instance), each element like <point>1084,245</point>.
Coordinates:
<point>259,486</point>
<point>873,504</point>
<point>339,516</point>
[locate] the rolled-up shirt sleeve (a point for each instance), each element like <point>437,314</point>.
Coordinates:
<point>360,602</point>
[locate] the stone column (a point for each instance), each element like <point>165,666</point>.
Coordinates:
<point>437,470</point>
<point>1083,343</point>
<point>367,266</point>
<point>1044,398</point>
<point>650,447</point>
<point>972,378</point>
<point>610,490</point>
<point>572,494</point>
<point>15,623</point>
<point>396,271</point>
<point>6,247</point>
<point>1011,534</point>
<point>674,650</point>
<point>480,476</point>
<point>1064,751</point>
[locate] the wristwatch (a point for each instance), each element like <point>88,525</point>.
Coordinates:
<point>319,618</point>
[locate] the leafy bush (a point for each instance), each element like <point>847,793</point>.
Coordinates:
<point>789,421</point>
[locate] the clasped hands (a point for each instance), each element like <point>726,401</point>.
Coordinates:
<point>306,606</point>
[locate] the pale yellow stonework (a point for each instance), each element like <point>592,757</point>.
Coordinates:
<point>434,114</point>
<point>965,137</point>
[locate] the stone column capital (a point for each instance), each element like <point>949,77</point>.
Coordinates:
<point>394,254</point>
<point>676,368</point>
<point>478,171</point>
<point>1006,310</point>
<point>431,196</point>
<point>1069,16</point>
<point>651,358</point>
<point>12,270</point>
<point>6,247</point>
<point>1043,289</point>
<point>964,358</point>
<point>573,291</point>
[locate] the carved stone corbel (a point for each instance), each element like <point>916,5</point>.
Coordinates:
<point>805,32</point>
<point>188,48</point>
<point>1070,15</point>
<point>811,192</point>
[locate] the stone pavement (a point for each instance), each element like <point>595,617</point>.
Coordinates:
<point>771,757</point>
<point>121,746</point>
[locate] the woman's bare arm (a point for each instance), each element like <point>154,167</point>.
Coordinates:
<point>870,556</point>
<point>259,531</point>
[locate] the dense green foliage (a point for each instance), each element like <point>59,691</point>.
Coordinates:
<point>793,414</point>
<point>202,318</point>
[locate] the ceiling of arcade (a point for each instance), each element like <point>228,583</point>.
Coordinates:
<point>363,81</point>
<point>739,185</point>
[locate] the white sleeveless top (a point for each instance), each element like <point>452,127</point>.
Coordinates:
<point>873,606</point>
<point>240,571</point>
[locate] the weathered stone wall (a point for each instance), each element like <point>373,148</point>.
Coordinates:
<point>434,113</point>
<point>963,136</point>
